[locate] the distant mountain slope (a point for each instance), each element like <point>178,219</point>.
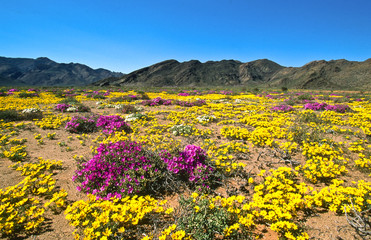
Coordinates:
<point>45,72</point>
<point>335,74</point>
<point>174,73</point>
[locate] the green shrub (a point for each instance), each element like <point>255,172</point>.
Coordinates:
<point>116,99</point>
<point>303,133</point>
<point>10,115</point>
<point>290,102</point>
<point>70,100</point>
<point>181,129</point>
<point>136,116</point>
<point>27,95</point>
<point>60,94</point>
<point>143,96</point>
<point>255,90</point>
<point>201,221</point>
<point>82,108</point>
<point>309,116</point>
<point>125,109</point>
<point>98,96</point>
<point>340,100</point>
<point>30,114</point>
<point>305,96</point>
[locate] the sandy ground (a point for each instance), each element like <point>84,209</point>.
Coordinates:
<point>325,225</point>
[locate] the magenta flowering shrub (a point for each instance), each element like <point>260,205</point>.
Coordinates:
<point>190,104</point>
<point>113,123</point>
<point>120,168</point>
<point>127,168</point>
<point>33,90</point>
<point>184,94</point>
<point>324,106</point>
<point>130,98</point>
<point>69,91</point>
<point>315,106</point>
<point>226,92</point>
<point>62,107</point>
<point>282,108</point>
<point>271,97</point>
<point>81,124</point>
<point>97,95</point>
<point>190,163</point>
<point>156,102</point>
<point>338,108</point>
<point>108,124</point>
<point>65,107</point>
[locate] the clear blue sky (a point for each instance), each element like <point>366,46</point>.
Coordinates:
<point>125,35</point>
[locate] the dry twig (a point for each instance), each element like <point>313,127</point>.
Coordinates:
<point>359,222</point>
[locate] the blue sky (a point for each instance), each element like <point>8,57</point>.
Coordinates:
<point>125,35</point>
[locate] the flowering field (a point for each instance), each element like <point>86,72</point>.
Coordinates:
<point>113,164</point>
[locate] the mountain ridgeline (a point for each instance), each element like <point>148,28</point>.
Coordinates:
<point>334,74</point>
<point>45,72</point>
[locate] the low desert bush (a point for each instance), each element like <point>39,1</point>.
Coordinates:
<point>10,116</point>
<point>27,95</point>
<point>82,124</point>
<point>30,114</point>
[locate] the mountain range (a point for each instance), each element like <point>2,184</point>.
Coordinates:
<point>334,74</point>
<point>45,72</point>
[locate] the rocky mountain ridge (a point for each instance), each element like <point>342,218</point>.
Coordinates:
<point>45,72</point>
<point>334,74</point>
